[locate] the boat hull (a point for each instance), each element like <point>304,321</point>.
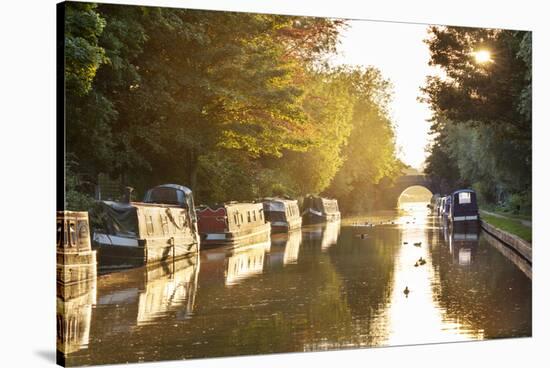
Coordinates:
<point>122,252</point>
<point>286,226</point>
<point>258,234</point>
<point>314,217</point>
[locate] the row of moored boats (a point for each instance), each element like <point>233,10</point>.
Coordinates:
<point>167,224</point>
<point>459,207</point>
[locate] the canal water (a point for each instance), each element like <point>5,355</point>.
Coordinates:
<point>325,287</point>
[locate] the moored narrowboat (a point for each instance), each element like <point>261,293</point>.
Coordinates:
<point>318,210</point>
<point>434,202</point>
<point>463,207</point>
<point>233,224</point>
<point>283,214</point>
<point>446,207</point>
<point>163,226</point>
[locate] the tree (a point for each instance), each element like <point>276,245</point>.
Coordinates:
<point>482,117</point>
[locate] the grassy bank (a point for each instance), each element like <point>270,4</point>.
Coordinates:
<point>509,225</point>
<point>499,210</point>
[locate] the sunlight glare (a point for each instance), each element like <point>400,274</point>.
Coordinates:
<point>482,56</point>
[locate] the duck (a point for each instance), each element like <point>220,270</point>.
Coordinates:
<point>422,261</point>
<point>405,243</point>
<point>406,291</point>
<point>416,264</point>
<point>417,244</point>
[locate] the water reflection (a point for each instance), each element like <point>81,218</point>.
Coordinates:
<point>172,286</point>
<point>74,315</point>
<point>285,248</point>
<point>491,297</point>
<point>418,317</point>
<point>463,243</point>
<point>245,301</point>
<point>242,263</point>
<point>235,264</point>
<point>144,295</point>
<point>326,233</point>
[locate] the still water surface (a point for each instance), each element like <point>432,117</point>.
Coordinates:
<point>324,287</point>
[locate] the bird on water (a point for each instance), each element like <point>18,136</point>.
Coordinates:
<point>406,291</point>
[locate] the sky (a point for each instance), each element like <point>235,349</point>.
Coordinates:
<point>398,51</point>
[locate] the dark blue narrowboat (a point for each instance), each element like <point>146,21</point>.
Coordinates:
<point>463,207</point>
<point>318,210</point>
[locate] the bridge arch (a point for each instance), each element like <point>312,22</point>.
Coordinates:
<point>415,193</point>
<point>402,183</point>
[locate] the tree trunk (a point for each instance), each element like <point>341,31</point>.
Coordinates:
<point>193,172</point>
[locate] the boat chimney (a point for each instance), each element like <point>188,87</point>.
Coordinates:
<point>127,198</point>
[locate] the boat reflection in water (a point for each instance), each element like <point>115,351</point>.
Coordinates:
<point>463,244</point>
<point>235,264</point>
<point>156,291</point>
<point>74,315</point>
<point>244,262</point>
<point>170,287</point>
<point>285,248</point>
<point>328,233</point>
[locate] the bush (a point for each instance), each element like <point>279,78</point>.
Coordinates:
<point>519,204</point>
<point>77,195</point>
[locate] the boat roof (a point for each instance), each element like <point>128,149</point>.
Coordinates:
<point>227,205</point>
<point>175,186</point>
<point>463,190</point>
<point>277,199</point>
<point>323,198</point>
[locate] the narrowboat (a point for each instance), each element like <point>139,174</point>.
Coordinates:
<point>442,205</point>
<point>434,201</point>
<point>463,207</point>
<point>318,210</point>
<point>163,226</point>
<point>283,214</point>
<point>233,224</point>
<point>446,207</point>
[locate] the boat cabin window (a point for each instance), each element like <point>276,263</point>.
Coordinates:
<point>236,218</point>
<point>464,198</point>
<point>254,215</point>
<point>261,217</point>
<point>248,217</point>
<point>242,218</point>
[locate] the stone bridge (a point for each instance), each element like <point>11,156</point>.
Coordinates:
<point>393,192</point>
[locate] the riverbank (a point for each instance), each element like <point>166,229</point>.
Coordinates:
<point>517,244</point>
<point>516,227</point>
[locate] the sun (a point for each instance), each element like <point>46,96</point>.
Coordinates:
<point>482,56</point>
